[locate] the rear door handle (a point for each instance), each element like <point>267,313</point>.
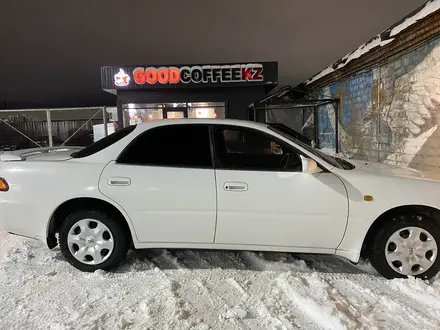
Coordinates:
<point>235,186</point>
<point>119,181</point>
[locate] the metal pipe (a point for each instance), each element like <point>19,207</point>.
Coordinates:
<point>315,119</point>
<point>49,127</point>
<point>104,118</point>
<point>336,109</point>
<point>51,109</point>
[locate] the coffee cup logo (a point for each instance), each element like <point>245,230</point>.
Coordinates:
<point>121,78</point>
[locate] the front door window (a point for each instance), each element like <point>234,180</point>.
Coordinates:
<point>246,149</point>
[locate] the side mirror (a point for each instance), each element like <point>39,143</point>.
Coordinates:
<point>309,166</point>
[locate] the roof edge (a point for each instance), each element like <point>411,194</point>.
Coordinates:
<point>382,39</point>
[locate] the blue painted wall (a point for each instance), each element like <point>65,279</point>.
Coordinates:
<point>378,109</point>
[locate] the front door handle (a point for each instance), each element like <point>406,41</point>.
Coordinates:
<point>235,186</point>
<point>119,181</point>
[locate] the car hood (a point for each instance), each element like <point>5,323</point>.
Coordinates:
<point>392,170</point>
<point>39,154</point>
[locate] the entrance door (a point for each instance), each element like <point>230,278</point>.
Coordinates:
<point>175,113</point>
<point>264,198</point>
<point>165,181</point>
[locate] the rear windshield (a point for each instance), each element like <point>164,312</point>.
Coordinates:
<point>104,142</point>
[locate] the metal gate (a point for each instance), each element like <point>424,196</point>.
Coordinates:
<point>30,128</point>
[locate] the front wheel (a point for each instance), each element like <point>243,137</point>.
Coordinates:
<point>91,240</point>
<point>407,245</point>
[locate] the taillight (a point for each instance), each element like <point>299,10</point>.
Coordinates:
<point>3,185</point>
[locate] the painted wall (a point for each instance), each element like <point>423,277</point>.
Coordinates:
<point>389,114</point>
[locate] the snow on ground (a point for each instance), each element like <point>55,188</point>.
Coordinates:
<point>189,289</point>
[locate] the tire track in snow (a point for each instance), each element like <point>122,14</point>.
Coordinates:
<point>385,305</point>
<point>242,309</point>
<point>310,300</point>
<point>330,264</point>
<point>279,262</point>
<point>191,260</point>
<point>240,304</point>
<point>250,306</point>
<point>182,287</point>
<point>269,302</point>
<point>274,300</point>
<point>222,259</point>
<point>205,301</point>
<point>167,261</point>
<point>168,303</point>
<point>420,292</point>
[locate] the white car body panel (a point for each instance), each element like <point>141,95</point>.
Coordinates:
<point>180,209</point>
<point>188,208</point>
<point>37,189</point>
<point>391,187</point>
<point>277,209</point>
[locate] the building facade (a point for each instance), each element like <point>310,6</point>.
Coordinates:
<point>155,92</point>
<point>389,95</point>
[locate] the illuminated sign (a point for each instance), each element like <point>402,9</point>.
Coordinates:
<point>121,78</point>
<point>193,74</point>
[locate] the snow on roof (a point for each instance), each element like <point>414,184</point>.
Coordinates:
<point>429,7</point>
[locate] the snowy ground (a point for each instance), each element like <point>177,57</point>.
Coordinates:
<point>206,290</point>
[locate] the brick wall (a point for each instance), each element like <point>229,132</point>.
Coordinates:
<point>389,113</point>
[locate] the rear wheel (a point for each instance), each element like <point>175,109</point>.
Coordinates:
<point>91,240</point>
<point>407,245</point>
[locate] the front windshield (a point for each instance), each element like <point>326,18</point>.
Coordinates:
<point>335,161</point>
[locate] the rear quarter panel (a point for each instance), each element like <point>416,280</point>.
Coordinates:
<point>3,221</point>
<point>388,192</point>
<point>38,188</point>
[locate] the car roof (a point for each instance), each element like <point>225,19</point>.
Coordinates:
<point>233,122</point>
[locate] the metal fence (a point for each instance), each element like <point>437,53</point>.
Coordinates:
<point>299,114</point>
<point>30,128</point>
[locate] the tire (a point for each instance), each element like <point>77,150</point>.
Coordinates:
<point>90,240</point>
<point>416,239</point>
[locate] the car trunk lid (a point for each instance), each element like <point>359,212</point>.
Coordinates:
<point>39,154</point>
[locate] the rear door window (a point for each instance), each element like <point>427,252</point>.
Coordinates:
<point>178,145</point>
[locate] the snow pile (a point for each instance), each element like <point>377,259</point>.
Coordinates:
<point>329,151</point>
<point>429,8</point>
<point>203,290</point>
<point>332,152</point>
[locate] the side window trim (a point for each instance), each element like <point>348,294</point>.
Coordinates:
<point>248,129</point>
<point>214,157</point>
<point>132,142</point>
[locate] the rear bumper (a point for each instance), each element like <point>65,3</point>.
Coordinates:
<point>3,221</point>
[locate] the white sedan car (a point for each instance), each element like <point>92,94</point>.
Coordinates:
<point>219,184</point>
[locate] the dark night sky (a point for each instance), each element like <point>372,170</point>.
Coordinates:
<point>51,50</point>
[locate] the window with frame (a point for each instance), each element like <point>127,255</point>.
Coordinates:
<point>171,145</point>
<point>247,149</point>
